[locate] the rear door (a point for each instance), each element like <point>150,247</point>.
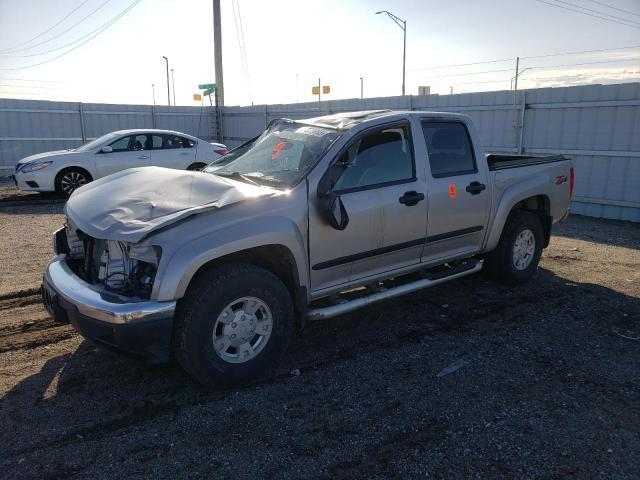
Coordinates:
<point>458,192</point>
<point>128,152</point>
<point>172,151</point>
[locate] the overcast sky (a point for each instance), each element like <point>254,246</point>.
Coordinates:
<point>289,44</point>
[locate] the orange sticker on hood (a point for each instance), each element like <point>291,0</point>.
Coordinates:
<point>452,190</point>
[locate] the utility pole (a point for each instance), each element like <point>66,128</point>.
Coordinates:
<point>451,90</point>
<point>361,88</point>
<point>173,86</point>
<point>217,53</point>
<point>515,89</point>
<point>166,60</point>
<point>153,93</point>
<point>319,91</point>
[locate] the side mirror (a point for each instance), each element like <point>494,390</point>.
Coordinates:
<point>106,149</point>
<point>334,212</point>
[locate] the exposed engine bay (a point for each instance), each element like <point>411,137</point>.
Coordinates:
<point>120,267</point>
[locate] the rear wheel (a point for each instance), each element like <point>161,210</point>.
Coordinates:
<point>515,259</point>
<point>69,179</point>
<point>233,324</point>
<point>196,166</point>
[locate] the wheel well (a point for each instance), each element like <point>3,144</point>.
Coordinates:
<point>540,205</point>
<point>67,169</point>
<point>199,165</point>
<point>277,259</point>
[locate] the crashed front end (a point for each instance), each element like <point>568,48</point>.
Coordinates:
<point>103,288</point>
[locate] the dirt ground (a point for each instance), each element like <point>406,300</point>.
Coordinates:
<point>469,379</point>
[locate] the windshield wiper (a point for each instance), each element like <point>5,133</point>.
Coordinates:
<point>237,176</point>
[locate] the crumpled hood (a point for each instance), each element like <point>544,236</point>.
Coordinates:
<point>38,156</point>
<point>130,204</point>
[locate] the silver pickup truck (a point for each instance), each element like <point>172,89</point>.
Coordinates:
<point>311,219</point>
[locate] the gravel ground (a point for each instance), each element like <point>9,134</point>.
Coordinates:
<point>465,380</point>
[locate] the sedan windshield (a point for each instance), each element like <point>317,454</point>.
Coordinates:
<point>280,157</point>
<point>96,143</point>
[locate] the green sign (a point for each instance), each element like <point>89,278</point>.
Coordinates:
<point>209,91</point>
<point>207,86</point>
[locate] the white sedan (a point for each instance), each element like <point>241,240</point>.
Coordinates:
<point>65,170</point>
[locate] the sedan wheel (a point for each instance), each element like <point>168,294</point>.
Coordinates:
<point>72,180</point>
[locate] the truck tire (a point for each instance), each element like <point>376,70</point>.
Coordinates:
<point>515,259</point>
<point>233,324</point>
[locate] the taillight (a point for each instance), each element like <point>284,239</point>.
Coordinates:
<point>222,151</point>
<point>572,179</point>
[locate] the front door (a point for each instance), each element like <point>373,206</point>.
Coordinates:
<point>458,193</point>
<point>127,152</point>
<point>385,199</point>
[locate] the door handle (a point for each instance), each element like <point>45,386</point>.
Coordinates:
<point>142,157</point>
<point>184,153</point>
<point>474,188</point>
<point>411,198</point>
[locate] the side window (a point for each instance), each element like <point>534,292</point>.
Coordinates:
<point>141,142</point>
<point>156,140</point>
<point>187,143</point>
<point>174,141</point>
<point>378,158</point>
<point>449,147</point>
<point>121,145</point>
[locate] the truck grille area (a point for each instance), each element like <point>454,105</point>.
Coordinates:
<point>105,263</point>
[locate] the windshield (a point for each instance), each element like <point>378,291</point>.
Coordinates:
<point>281,156</point>
<point>96,143</point>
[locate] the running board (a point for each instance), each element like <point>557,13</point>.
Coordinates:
<point>350,305</point>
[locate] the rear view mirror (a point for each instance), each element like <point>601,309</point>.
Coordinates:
<point>106,149</point>
<point>334,212</point>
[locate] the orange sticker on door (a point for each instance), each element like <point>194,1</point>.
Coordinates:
<point>452,190</point>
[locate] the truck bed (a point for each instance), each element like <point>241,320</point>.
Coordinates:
<point>501,162</point>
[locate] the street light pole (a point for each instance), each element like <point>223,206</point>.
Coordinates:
<point>166,60</point>
<point>153,93</point>
<point>173,87</point>
<point>361,88</point>
<point>403,25</point>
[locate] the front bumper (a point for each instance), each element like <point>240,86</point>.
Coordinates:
<point>42,178</point>
<point>136,327</point>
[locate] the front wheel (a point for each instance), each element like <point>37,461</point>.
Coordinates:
<point>233,324</point>
<point>515,259</point>
<point>69,179</point>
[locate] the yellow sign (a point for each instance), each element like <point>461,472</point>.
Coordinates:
<point>197,97</point>
<point>315,90</point>
<point>326,89</point>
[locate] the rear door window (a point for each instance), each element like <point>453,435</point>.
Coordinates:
<point>449,147</point>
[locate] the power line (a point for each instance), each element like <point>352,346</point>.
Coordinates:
<point>10,54</point>
<point>589,14</point>
<point>241,46</point>
<point>614,8</point>
<point>30,86</point>
<point>97,32</point>
<point>463,64</point>
<point>576,53</point>
<point>46,31</point>
<point>30,80</point>
<point>522,58</point>
<point>539,67</point>
<point>22,93</point>
<point>597,12</point>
